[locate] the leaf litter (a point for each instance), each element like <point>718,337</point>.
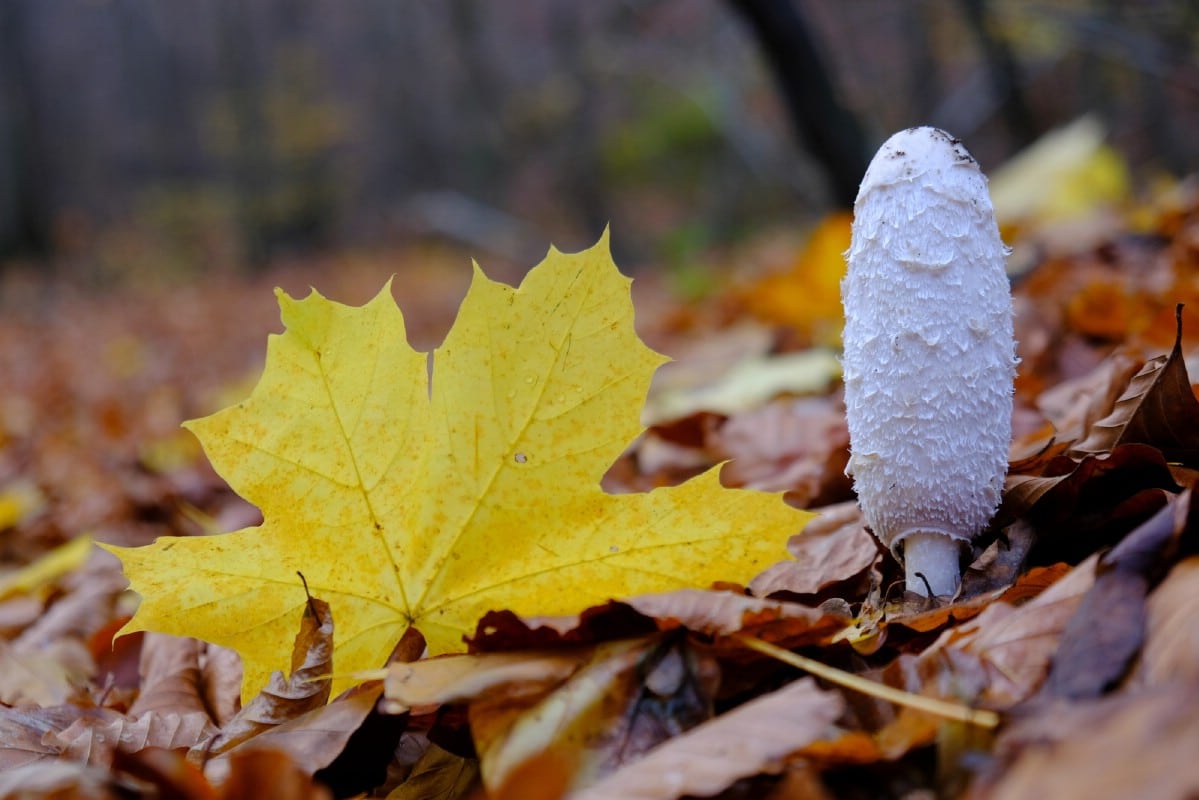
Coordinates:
<point>1074,623</point>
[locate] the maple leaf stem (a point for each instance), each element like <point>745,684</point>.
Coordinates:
<point>941,708</point>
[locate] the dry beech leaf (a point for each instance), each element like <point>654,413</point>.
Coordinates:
<point>1171,650</point>
<point>439,775</point>
<point>797,445</point>
<point>1072,407</point>
<point>94,742</point>
<point>1010,647</point>
<point>834,547</point>
<point>708,612</point>
<point>312,740</point>
<point>60,779</point>
<point>1157,408</point>
<point>453,678</point>
<point>170,673</point>
<point>410,505</point>
<point>628,698</point>
<point>752,739</point>
<point>1106,633</point>
<point>221,682</point>
<point>285,698</point>
<point>28,735</point>
<point>1130,745</point>
<point>1097,481</point>
<point>258,774</point>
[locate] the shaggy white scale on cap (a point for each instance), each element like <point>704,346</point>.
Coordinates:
<point>929,356</point>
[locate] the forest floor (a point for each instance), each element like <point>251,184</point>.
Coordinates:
<point>1068,665</point>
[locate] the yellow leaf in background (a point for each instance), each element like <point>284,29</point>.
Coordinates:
<point>47,569</point>
<point>1067,173</point>
<point>404,506</point>
<point>808,296</point>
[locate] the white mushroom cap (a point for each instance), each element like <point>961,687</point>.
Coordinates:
<point>929,357</point>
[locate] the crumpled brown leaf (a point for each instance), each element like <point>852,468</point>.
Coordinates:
<point>439,774</point>
<point>1158,408</point>
<point>628,698</point>
<point>834,547</point>
<point>1128,745</point>
<point>312,740</point>
<point>1105,634</point>
<point>1171,649</point>
<point>286,698</point>
<point>752,739</point>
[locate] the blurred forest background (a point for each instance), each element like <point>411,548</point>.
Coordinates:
<point>143,138</point>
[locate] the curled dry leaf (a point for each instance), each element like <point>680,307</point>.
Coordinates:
<point>1171,650</point>
<point>797,445</point>
<point>834,547</point>
<point>1129,745</point>
<point>283,698</point>
<point>1072,407</point>
<point>1098,483</point>
<point>708,612</point>
<point>95,742</point>
<point>752,739</point>
<point>312,740</point>
<point>170,672</point>
<point>1157,408</point>
<point>628,698</point>
<point>438,774</point>
<point>1105,634</point>
<point>1011,647</point>
<point>453,678</point>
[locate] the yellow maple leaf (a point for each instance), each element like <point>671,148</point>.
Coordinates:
<point>404,506</point>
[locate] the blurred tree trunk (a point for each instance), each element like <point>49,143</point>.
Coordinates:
<point>826,128</point>
<point>249,157</point>
<point>25,217</point>
<point>1004,75</point>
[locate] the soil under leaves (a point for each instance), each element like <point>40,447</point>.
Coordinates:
<point>1075,623</point>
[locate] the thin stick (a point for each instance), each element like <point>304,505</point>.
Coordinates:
<point>942,708</point>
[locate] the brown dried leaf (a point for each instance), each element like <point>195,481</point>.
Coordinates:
<point>60,779</point>
<point>626,700</point>
<point>710,612</point>
<point>1171,650</point>
<point>1088,495</point>
<point>1138,745</point>
<point>1158,408</point>
<point>1105,634</point>
<point>797,445</point>
<point>27,736</point>
<point>834,547</point>
<point>717,613</point>
<point>285,699</point>
<point>49,674</point>
<point>256,774</point>
<point>220,682</point>
<point>752,739</point>
<point>312,740</point>
<point>453,678</point>
<point>439,775</point>
<point>95,742</point>
<point>170,671</point>
<point>1010,646</point>
<point>1072,407</point>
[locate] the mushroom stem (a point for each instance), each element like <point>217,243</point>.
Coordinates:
<point>931,563</point>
